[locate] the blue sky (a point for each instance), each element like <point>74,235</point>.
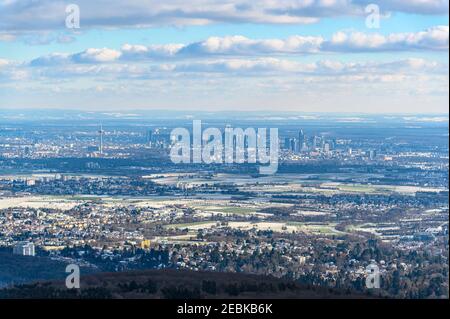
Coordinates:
<point>293,55</point>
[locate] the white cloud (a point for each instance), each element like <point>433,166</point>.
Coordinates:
<point>414,6</point>
<point>240,45</point>
<point>435,39</point>
<point>406,85</point>
<point>154,51</point>
<point>3,62</point>
<point>224,67</point>
<point>7,37</point>
<point>28,15</point>
<point>97,55</point>
<point>51,59</point>
<point>244,66</point>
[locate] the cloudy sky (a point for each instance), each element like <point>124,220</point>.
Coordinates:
<point>285,55</point>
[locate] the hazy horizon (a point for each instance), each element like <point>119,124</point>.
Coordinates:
<point>125,111</point>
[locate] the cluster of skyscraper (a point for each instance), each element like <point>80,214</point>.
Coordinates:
<point>302,143</point>
<point>157,138</point>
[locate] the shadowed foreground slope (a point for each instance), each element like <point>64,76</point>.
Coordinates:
<point>175,284</point>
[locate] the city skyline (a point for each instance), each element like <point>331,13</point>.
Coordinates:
<point>106,196</point>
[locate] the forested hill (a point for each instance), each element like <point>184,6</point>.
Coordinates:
<point>175,284</point>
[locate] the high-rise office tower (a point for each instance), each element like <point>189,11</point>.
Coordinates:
<point>101,139</point>
<point>317,142</point>
<point>301,141</point>
<point>287,143</point>
<point>297,146</point>
<point>148,137</point>
<point>326,147</point>
<point>301,137</point>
